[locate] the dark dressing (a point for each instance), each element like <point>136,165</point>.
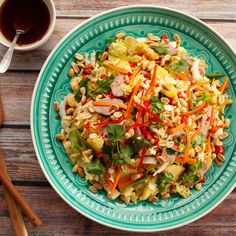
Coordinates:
<point>31,16</point>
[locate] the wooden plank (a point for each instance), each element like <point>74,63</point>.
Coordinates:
<point>19,154</point>
<point>34,60</point>
<point>59,219</point>
<point>205,9</point>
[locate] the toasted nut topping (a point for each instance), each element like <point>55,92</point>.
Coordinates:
<point>162,143</point>
<point>177,38</point>
<point>93,135</point>
<point>97,186</point>
<point>56,106</point>
<point>104,56</point>
<point>165,100</point>
<point>153,199</point>
<point>223,136</point>
<point>227,123</point>
<point>75,67</point>
<point>83,90</point>
<point>92,189</point>
<point>71,73</point>
<point>81,172</point>
<point>120,35</point>
<point>79,57</point>
<point>69,111</point>
<point>75,168</point>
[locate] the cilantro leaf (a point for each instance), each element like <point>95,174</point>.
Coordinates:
<point>170,151</point>
<point>161,50</point>
<point>126,152</point>
<point>163,180</point>
<point>195,168</point>
<point>111,40</point>
<point>156,105</point>
<point>189,178</point>
<point>181,66</point>
<point>95,167</point>
<point>139,143</point>
<point>115,132</point>
<point>104,84</point>
<point>77,142</point>
<point>78,95</point>
<point>99,54</point>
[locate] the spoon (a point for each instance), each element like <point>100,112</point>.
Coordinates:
<point>6,60</point>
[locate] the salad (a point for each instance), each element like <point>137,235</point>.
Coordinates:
<point>143,120</point>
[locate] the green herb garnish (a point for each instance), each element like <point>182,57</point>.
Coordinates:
<point>156,105</point>
<point>103,85</point>
<point>181,66</point>
<point>161,50</point>
<point>115,132</point>
<point>95,167</point>
<point>215,75</point>
<point>163,180</point>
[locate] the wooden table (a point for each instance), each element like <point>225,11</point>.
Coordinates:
<point>16,88</point>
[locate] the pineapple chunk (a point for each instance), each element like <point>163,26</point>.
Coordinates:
<point>175,170</point>
<point>96,143</point>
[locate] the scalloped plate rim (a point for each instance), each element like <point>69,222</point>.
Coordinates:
<point>32,125</point>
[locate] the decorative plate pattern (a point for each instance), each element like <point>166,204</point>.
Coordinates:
<point>53,84</point>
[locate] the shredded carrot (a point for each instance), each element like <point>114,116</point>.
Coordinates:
<point>225,85</point>
<point>115,67</point>
<point>142,158</point>
<point>196,133</point>
<point>153,81</point>
<point>177,128</point>
<point>134,74</point>
<point>140,111</point>
<point>199,108</point>
<point>130,104</point>
<point>212,117</point>
<point>208,144</point>
<point>107,104</point>
<point>188,145</point>
<point>116,180</point>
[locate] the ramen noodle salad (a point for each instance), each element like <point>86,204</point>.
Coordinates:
<point>143,119</point>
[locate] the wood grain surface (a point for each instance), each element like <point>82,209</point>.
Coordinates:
<point>16,87</point>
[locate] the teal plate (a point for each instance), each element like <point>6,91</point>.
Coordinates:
<point>53,84</point>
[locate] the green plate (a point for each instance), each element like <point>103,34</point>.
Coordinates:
<point>53,84</point>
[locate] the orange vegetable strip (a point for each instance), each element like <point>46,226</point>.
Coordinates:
<point>116,180</point>
<point>107,104</point>
<point>225,85</point>
<point>177,128</point>
<point>199,108</point>
<point>153,80</point>
<point>130,104</point>
<point>135,72</point>
<point>115,67</point>
<point>140,111</point>
<point>142,158</point>
<point>212,117</point>
<point>188,144</point>
<point>208,144</point>
<point>196,133</point>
